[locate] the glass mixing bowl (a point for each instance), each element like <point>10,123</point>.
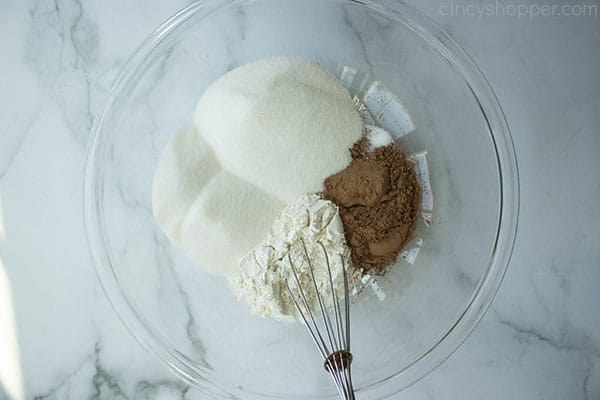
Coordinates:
<point>416,81</point>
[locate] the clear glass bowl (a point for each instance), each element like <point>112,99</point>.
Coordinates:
<point>190,319</point>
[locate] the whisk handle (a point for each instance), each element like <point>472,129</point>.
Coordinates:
<point>338,366</point>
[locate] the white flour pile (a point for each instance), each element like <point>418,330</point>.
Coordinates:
<point>261,278</point>
<point>263,134</point>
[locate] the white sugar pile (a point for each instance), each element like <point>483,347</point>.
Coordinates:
<point>213,216</point>
<point>283,124</point>
<point>263,134</point>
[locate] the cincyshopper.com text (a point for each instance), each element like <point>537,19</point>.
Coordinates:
<point>530,11</point>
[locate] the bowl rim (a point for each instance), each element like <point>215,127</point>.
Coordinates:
<point>507,224</point>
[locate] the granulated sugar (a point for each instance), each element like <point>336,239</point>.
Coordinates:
<point>263,134</point>
<point>209,213</point>
<point>282,124</point>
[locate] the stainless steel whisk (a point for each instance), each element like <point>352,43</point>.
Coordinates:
<point>331,335</point>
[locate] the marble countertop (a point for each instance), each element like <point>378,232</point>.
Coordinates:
<point>539,340</point>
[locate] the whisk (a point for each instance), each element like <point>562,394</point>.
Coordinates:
<point>331,334</point>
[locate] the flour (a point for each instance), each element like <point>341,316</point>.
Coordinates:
<point>261,278</point>
<point>282,124</point>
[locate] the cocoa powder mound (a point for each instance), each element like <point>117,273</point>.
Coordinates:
<point>378,196</point>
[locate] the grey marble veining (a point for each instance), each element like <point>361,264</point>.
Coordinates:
<point>539,340</point>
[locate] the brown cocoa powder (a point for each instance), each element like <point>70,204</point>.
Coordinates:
<point>361,183</point>
<point>378,196</point>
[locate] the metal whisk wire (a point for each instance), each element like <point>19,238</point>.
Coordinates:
<point>335,346</point>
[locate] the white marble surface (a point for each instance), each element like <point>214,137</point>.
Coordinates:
<point>539,340</point>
